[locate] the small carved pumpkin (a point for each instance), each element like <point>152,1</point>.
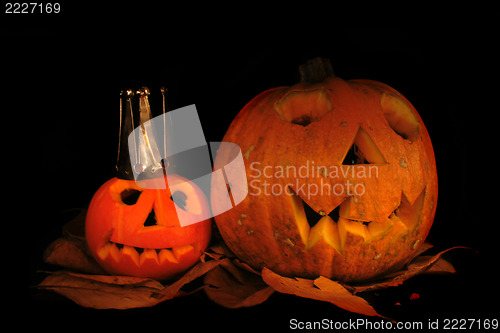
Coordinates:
<point>341,175</point>
<point>136,231</point>
<point>133,227</point>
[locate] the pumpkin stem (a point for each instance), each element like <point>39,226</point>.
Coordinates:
<point>316,70</point>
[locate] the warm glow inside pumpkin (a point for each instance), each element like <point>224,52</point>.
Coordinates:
<point>342,180</point>
<point>135,231</point>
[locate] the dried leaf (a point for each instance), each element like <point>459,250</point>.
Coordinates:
<point>120,292</point>
<point>441,266</point>
<point>198,270</point>
<point>245,266</point>
<point>233,287</point>
<point>219,251</point>
<point>103,291</point>
<point>422,248</point>
<point>322,289</point>
<point>71,253</point>
<point>418,265</point>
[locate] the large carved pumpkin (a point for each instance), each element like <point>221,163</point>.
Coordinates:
<point>341,176</point>
<point>135,231</point>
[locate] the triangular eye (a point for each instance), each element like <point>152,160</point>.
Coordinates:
<point>304,107</point>
<point>363,151</point>
<point>179,198</point>
<point>130,196</point>
<point>400,117</point>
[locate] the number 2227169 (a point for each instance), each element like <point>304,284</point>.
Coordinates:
<point>453,324</point>
<point>32,8</point>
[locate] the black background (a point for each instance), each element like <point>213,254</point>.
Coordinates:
<point>62,76</point>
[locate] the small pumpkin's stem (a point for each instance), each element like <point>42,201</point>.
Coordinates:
<point>316,70</point>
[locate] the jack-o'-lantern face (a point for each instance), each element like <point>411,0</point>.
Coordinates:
<point>135,231</point>
<point>342,181</point>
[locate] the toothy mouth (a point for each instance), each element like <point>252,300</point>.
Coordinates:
<point>140,255</point>
<point>333,227</point>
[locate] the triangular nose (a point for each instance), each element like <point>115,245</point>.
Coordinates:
<point>151,219</point>
<point>363,151</point>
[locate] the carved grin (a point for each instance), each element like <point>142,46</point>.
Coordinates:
<point>140,256</point>
<point>333,227</point>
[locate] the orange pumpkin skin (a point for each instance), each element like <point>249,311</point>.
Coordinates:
<point>158,249</point>
<point>313,126</point>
